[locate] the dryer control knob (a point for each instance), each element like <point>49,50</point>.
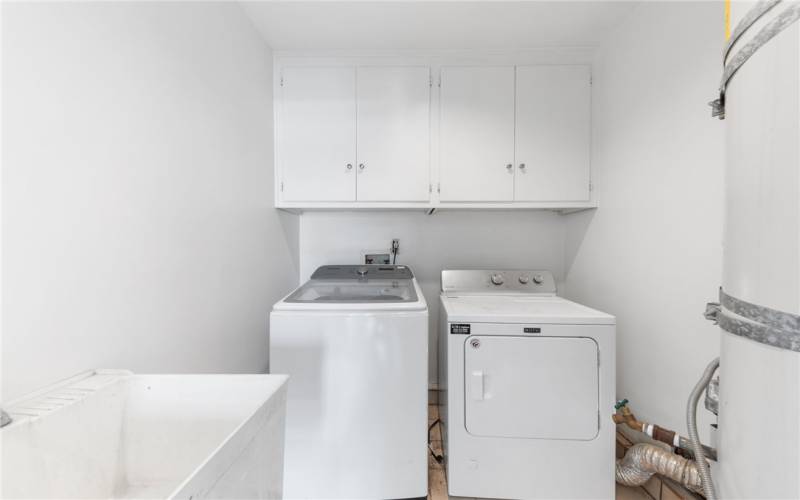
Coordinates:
<point>497,279</point>
<point>538,279</point>
<point>524,279</point>
<point>362,271</point>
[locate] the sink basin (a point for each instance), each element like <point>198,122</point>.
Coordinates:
<point>114,434</point>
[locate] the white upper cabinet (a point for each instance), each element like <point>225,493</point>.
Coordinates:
<point>393,133</point>
<point>477,134</point>
<point>317,134</point>
<point>374,131</point>
<point>553,133</point>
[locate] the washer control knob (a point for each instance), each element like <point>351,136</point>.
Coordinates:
<point>538,279</point>
<point>497,279</point>
<point>524,279</point>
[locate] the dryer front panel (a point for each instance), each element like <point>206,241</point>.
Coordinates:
<point>531,387</point>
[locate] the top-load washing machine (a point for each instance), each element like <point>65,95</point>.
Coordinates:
<point>529,380</point>
<point>354,342</point>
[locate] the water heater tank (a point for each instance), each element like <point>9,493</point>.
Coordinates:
<point>759,413</point>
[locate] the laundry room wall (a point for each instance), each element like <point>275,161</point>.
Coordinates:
<point>651,253</point>
<point>138,225</point>
<point>429,243</point>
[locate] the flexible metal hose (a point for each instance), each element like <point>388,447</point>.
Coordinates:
<point>643,460</point>
<point>694,438</point>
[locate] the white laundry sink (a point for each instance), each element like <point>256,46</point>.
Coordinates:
<point>113,434</point>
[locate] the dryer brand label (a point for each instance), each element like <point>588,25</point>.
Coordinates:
<point>460,328</point>
<point>529,329</point>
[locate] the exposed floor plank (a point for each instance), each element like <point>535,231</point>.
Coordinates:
<point>437,486</point>
<point>433,413</point>
<point>631,493</point>
<point>436,432</point>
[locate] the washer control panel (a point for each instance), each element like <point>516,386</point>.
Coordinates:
<point>517,281</point>
<point>350,272</point>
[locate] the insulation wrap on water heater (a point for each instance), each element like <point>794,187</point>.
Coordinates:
<point>759,394</point>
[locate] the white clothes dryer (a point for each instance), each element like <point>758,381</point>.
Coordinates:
<point>529,382</point>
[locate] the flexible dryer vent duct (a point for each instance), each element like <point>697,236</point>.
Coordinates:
<point>643,460</point>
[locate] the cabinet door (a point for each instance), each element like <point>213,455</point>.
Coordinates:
<point>393,133</point>
<point>318,134</point>
<point>553,133</point>
<point>477,134</point>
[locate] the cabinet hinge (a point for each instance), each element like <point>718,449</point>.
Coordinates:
<point>281,186</point>
<point>430,81</point>
<point>591,187</point>
<point>281,80</point>
<point>430,188</point>
<point>438,188</point>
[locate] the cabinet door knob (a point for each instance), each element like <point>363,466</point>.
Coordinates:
<point>349,166</point>
<point>509,167</point>
<point>522,166</point>
<point>361,166</point>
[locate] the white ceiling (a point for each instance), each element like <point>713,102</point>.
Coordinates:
<point>409,25</point>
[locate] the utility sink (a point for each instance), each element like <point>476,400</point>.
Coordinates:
<point>114,434</point>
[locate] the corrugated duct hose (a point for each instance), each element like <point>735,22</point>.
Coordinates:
<point>691,423</point>
<point>642,460</point>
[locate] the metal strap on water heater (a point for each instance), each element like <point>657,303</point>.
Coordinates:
<point>753,15</point>
<point>767,33</point>
<point>761,324</point>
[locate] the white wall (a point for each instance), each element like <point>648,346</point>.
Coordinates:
<point>651,253</point>
<point>137,192</point>
<point>138,228</point>
<point>430,243</point>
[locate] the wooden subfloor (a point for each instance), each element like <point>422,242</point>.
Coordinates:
<point>437,482</point>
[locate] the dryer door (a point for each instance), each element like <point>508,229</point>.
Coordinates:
<point>531,387</point>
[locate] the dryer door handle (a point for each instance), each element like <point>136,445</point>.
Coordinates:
<point>476,385</point>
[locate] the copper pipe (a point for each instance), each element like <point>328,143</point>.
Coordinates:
<point>628,418</point>
<point>625,416</point>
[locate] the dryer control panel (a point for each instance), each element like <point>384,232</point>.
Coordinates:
<point>508,281</point>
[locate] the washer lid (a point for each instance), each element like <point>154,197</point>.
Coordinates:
<point>521,309</point>
<point>355,295</point>
<point>349,291</point>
